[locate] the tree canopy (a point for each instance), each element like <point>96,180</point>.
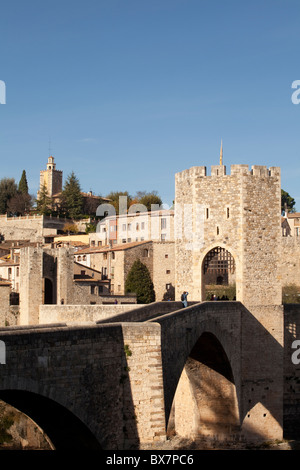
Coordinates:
<point>8,189</point>
<point>44,201</point>
<point>139,282</point>
<point>288,201</point>
<point>114,197</point>
<point>72,200</point>
<point>148,199</point>
<point>141,197</point>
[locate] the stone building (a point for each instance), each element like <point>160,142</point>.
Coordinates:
<point>156,225</point>
<point>116,260</point>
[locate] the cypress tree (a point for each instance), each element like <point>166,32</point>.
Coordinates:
<point>23,185</point>
<point>139,282</point>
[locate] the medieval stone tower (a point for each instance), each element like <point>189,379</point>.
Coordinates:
<point>46,277</point>
<point>229,226</point>
<point>51,178</point>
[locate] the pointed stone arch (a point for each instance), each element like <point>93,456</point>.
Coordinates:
<point>205,404</point>
<point>218,264</point>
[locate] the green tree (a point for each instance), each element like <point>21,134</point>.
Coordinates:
<point>8,189</point>
<point>147,199</point>
<point>23,185</point>
<point>139,282</point>
<point>114,197</point>
<point>288,201</point>
<point>72,199</point>
<point>44,201</point>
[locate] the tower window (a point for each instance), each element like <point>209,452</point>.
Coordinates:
<point>207,213</point>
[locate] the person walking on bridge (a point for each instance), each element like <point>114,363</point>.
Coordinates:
<point>184,298</point>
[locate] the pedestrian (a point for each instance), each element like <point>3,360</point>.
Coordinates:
<point>184,298</point>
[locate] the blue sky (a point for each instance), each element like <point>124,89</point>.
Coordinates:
<point>129,92</point>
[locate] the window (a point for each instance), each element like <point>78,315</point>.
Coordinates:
<point>146,253</point>
<point>166,256</point>
<point>168,271</point>
<point>143,225</point>
<point>207,213</point>
<point>163,237</point>
<point>137,227</point>
<point>92,290</point>
<point>113,255</point>
<point>104,256</point>
<point>129,227</point>
<point>100,290</point>
<point>163,223</point>
<point>124,227</point>
<point>168,286</point>
<point>18,271</point>
<point>227,212</point>
<point>93,243</point>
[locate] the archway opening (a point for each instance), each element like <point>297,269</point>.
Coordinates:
<point>63,429</point>
<point>218,275</point>
<point>205,406</point>
<point>48,291</point>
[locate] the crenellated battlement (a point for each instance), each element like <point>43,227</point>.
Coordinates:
<point>235,170</point>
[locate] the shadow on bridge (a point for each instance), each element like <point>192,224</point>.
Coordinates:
<point>63,428</point>
<point>226,367</point>
<point>73,382</point>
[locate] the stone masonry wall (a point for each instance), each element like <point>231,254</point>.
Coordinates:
<point>81,313</point>
<point>31,284</point>
<point>239,212</point>
<point>290,260</point>
<point>4,302</point>
<point>291,378</point>
<point>109,376</point>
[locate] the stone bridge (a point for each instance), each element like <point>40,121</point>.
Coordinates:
<point>212,370</point>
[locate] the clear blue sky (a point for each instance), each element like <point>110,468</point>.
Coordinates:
<point>132,91</point>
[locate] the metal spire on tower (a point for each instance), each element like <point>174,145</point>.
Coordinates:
<point>221,153</point>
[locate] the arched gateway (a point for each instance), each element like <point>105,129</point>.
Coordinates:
<point>228,230</point>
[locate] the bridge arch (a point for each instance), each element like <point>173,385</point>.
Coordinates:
<point>205,403</point>
<point>64,430</point>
